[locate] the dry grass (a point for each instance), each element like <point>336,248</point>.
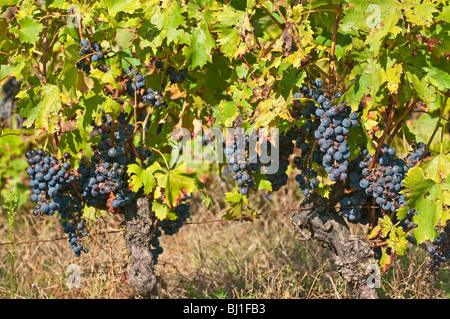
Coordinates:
<point>259,259</point>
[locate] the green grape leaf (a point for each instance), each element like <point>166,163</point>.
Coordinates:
<point>438,78</point>
<point>93,214</point>
<point>229,111</point>
<point>205,198</point>
<point>396,237</point>
<point>263,184</point>
<point>176,183</point>
<point>29,30</point>
<point>230,23</point>
<point>419,13</point>
<point>437,167</point>
<point>385,260</point>
<point>161,210</point>
<point>68,85</point>
<point>392,76</point>
<point>108,77</point>
<point>72,142</point>
<point>168,20</point>
<point>416,78</point>
<point>140,177</point>
<point>39,106</point>
<point>428,192</point>
<point>236,207</point>
<point>116,6</point>
<point>379,18</point>
<point>198,53</point>
<point>271,109</point>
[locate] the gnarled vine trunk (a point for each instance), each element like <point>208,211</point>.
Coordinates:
<point>140,229</point>
<point>353,255</point>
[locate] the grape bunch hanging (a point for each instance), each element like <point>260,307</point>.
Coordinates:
<point>242,160</point>
<point>54,186</point>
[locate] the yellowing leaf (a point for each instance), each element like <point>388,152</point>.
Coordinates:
<point>392,77</point>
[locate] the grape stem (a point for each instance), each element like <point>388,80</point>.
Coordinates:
<point>77,192</point>
<point>162,155</point>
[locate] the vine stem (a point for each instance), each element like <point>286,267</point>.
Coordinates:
<point>77,191</point>
<point>55,135</point>
<point>332,65</point>
<point>397,125</point>
<point>80,28</point>
<point>373,218</point>
<point>130,142</point>
<point>258,44</point>
<point>144,125</point>
<point>271,16</point>
<point>279,11</point>
<point>322,72</point>
<point>383,137</point>
<point>185,104</point>
<point>310,63</point>
<point>44,50</point>
<point>319,10</point>
<point>438,125</point>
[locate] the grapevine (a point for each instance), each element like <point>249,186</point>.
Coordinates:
<point>111,97</point>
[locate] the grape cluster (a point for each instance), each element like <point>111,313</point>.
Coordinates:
<point>307,177</point>
<point>132,85</point>
<point>85,49</point>
<point>105,179</point>
<point>53,184</point>
<point>176,76</point>
<point>407,222</point>
<point>351,207</point>
<point>98,55</point>
<point>83,65</point>
<point>323,138</point>
<point>170,227</point>
<point>9,92</point>
<point>242,161</point>
<point>417,154</point>
<point>384,181</point>
<point>154,97</point>
<point>101,183</point>
<point>157,249</point>
<point>285,149</point>
<point>439,250</point>
<point>159,64</point>
<point>335,122</point>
